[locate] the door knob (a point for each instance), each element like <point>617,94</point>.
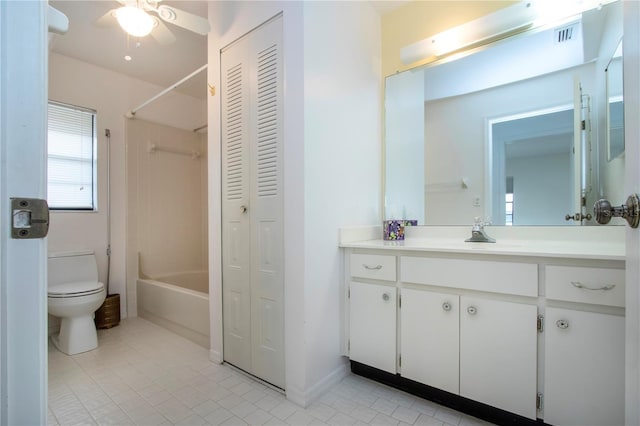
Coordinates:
<point>243,209</point>
<point>630,211</point>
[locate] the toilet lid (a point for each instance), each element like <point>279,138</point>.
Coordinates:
<point>80,288</point>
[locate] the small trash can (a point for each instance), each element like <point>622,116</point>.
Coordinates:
<point>108,315</point>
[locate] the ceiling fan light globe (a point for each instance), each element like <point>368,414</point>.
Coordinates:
<point>134,21</point>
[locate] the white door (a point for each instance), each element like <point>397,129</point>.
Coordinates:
<point>372,325</point>
<point>23,132</point>
<point>631,43</point>
<point>584,368</point>
<point>498,353</point>
<point>267,231</point>
<point>236,272</point>
<point>253,244</point>
<point>430,339</point>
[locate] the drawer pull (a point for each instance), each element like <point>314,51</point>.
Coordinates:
<point>578,284</point>
<point>385,297</point>
<point>472,310</point>
<point>446,306</point>
<point>372,268</point>
<point>562,324</point>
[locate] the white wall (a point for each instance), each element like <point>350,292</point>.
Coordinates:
<point>111,94</point>
<point>169,205</point>
<point>542,189</point>
<point>332,160</point>
<point>342,159</point>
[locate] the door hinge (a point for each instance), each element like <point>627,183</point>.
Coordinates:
<point>583,125</point>
<point>539,400</point>
<point>540,323</point>
<point>400,301</point>
<point>399,360</point>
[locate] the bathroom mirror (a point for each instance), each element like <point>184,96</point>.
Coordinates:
<point>497,133</point>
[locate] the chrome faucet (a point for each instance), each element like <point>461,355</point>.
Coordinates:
<point>478,235</point>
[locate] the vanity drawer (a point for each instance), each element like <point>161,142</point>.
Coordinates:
<point>496,277</point>
<point>601,286</point>
<point>377,267</point>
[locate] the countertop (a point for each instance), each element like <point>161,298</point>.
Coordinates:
<point>528,244</point>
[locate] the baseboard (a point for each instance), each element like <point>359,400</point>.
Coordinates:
<point>215,356</point>
<point>304,398</point>
<point>453,401</point>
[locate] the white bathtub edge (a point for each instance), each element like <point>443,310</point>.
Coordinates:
<point>195,337</point>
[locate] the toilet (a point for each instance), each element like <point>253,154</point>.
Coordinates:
<point>74,294</point>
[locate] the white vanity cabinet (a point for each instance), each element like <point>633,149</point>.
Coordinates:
<point>372,311</point>
<point>430,338</point>
<point>479,348</point>
<point>498,353</point>
<point>372,318</point>
<point>533,334</point>
<point>584,349</point>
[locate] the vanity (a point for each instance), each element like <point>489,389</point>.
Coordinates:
<point>530,328</point>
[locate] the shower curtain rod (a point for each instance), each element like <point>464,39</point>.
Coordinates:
<point>132,113</point>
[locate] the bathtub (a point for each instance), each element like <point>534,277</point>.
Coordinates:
<point>178,302</point>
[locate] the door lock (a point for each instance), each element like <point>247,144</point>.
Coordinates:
<point>29,218</point>
<point>629,211</point>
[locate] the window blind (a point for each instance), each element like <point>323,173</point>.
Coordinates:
<point>71,158</point>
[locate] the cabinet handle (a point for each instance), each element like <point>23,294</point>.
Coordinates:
<point>385,297</point>
<point>562,324</point>
<point>578,284</point>
<point>373,268</point>
<point>446,306</point>
<point>243,209</point>
<point>472,310</point>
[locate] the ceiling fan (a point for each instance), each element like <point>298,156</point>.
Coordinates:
<point>140,18</point>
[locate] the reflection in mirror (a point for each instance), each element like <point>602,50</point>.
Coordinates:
<point>521,147</point>
<point>615,118</point>
<point>443,164</point>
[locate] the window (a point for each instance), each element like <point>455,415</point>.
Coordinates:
<point>71,158</point>
<point>509,202</point>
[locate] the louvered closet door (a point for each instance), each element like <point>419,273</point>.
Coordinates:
<point>267,245</point>
<point>236,272</point>
<point>253,283</point>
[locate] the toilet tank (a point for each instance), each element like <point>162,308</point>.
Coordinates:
<point>66,267</point>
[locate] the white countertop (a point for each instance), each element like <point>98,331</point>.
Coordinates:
<point>541,243</point>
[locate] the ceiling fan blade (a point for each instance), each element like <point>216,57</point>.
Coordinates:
<point>162,34</point>
<point>106,20</point>
<point>183,19</point>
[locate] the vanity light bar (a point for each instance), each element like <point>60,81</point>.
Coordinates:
<point>505,22</point>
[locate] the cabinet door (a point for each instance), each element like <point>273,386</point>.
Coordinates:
<point>584,368</point>
<point>498,348</point>
<point>372,320</point>
<point>429,338</point>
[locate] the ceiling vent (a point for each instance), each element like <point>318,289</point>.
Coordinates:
<point>565,33</point>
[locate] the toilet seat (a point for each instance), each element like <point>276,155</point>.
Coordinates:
<point>75,289</point>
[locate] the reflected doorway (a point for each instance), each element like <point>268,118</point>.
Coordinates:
<point>533,167</point>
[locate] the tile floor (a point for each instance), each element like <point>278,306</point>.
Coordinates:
<point>143,374</point>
